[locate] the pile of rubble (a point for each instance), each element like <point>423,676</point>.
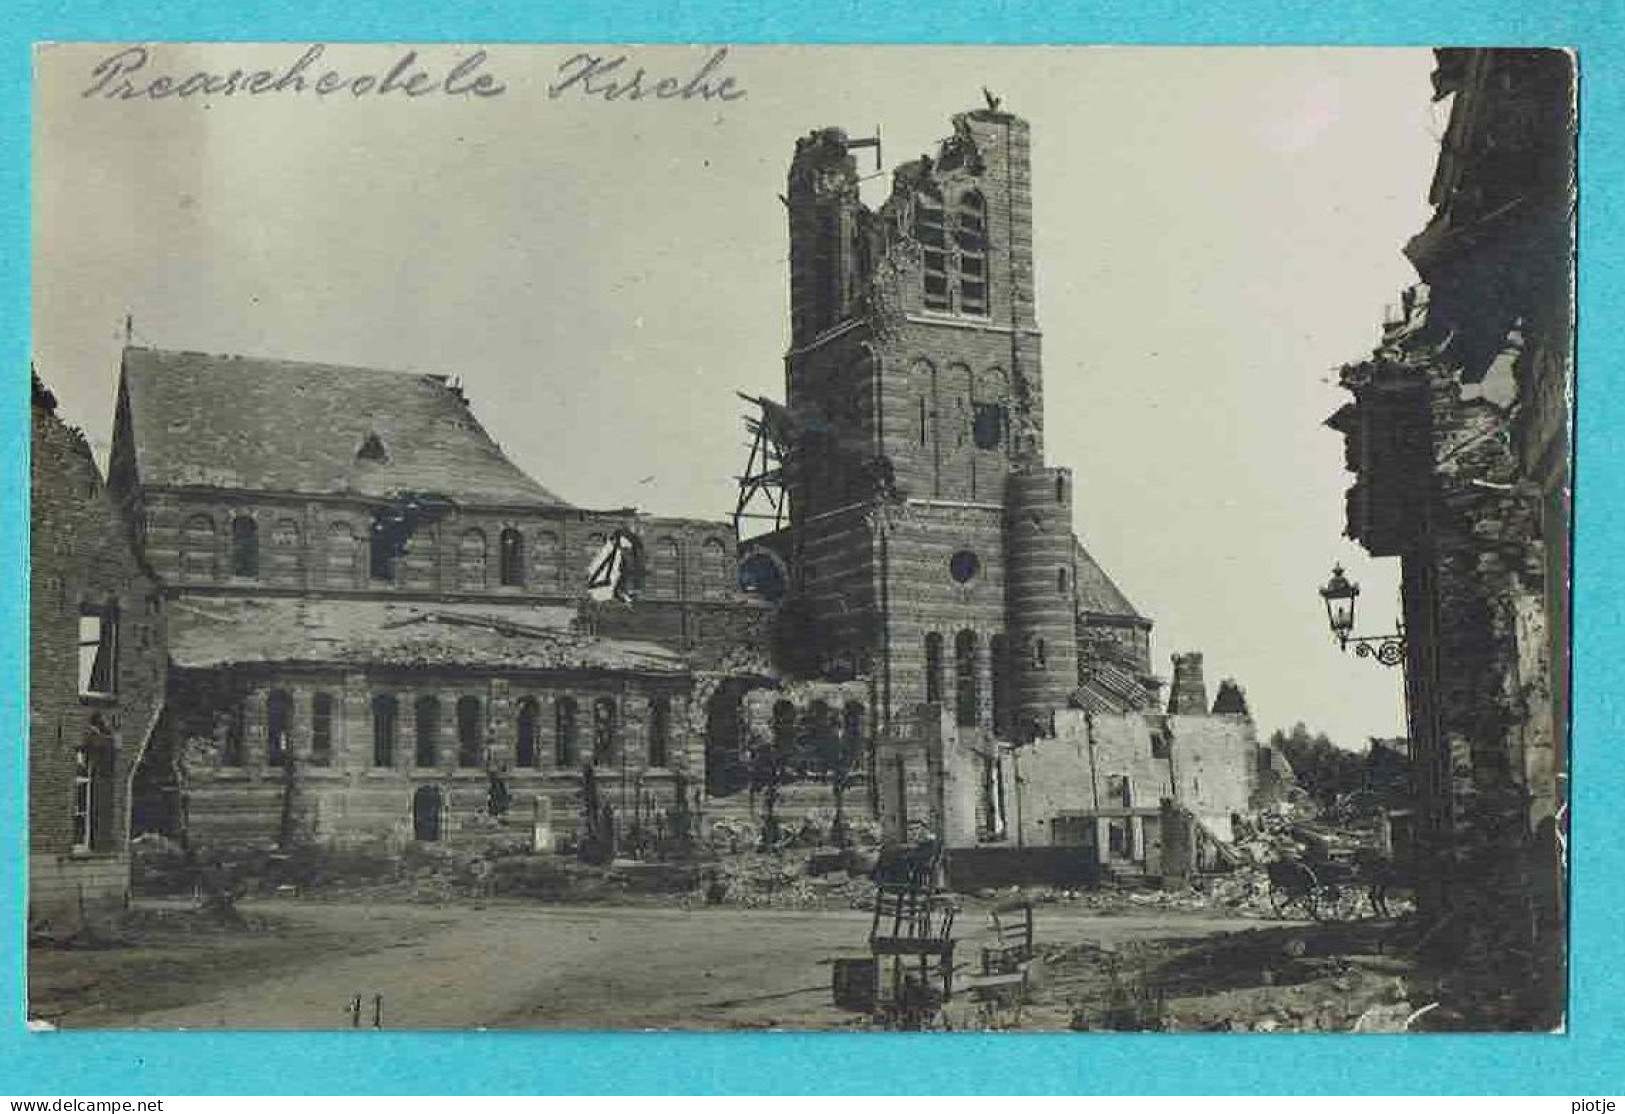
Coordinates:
<point>784,880</point>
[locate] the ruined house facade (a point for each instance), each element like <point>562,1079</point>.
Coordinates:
<point>378,628</point>
<point>96,680</point>
<point>930,546</point>
<point>1458,436</point>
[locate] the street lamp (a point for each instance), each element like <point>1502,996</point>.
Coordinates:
<point>1339,595</point>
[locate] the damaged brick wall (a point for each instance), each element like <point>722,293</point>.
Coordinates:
<point>1458,435</point>
<point>81,560</point>
<point>238,789</point>
<point>930,547</point>
<point>1206,764</point>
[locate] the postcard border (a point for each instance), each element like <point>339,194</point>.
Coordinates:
<point>1587,1059</point>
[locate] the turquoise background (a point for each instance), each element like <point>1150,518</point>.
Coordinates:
<point>1586,1061</point>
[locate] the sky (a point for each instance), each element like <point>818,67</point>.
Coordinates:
<point>1217,230</point>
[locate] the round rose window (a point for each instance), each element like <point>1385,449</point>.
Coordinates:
<point>963,566</point>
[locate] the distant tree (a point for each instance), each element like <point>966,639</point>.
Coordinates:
<point>770,768</point>
<point>1325,770</point>
<point>832,748</point>
<point>774,761</point>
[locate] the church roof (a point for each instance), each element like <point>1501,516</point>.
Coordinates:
<point>276,425</point>
<point>206,633</point>
<point>1097,593</point>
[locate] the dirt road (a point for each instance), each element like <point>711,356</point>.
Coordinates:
<point>526,966</point>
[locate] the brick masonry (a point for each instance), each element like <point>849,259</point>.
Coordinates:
<point>934,581</point>
<point>80,558</point>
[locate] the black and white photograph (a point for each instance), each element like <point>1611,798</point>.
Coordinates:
<point>856,538</point>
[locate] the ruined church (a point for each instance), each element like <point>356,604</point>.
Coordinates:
<point>378,630</point>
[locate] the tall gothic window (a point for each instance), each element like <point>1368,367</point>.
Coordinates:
<point>321,729</point>
<point>953,251</point>
<point>970,242</point>
<point>933,668</point>
<point>931,230</point>
<point>603,730</point>
<point>659,732</point>
<point>278,726</point>
<point>511,558</point>
<point>427,725</point>
<point>999,651</point>
<point>524,743</point>
<point>470,733</point>
<point>966,699</point>
<point>383,730</point>
<point>566,727</point>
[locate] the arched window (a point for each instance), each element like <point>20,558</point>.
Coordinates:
<point>426,714</point>
<point>970,242</point>
<point>511,558</point>
<point>245,547</point>
<point>321,729</point>
<point>1060,489</point>
<point>933,668</point>
<point>603,730</point>
<point>93,793</point>
<point>1040,660</point>
<point>1063,580</point>
<point>470,733</point>
<point>659,731</point>
<point>471,550</point>
<point>197,548</point>
<point>566,725</point>
<point>383,730</point>
<point>967,701</point>
<point>278,726</point>
<point>999,651</point>
<point>714,566</point>
<point>524,743</point>
<point>931,230</point>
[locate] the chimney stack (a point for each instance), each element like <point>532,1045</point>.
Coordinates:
<point>1188,694</point>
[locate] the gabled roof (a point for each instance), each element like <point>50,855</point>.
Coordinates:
<point>1097,594</point>
<point>276,425</point>
<point>206,633</point>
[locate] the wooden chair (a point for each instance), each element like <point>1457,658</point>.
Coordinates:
<point>1000,989</point>
<point>1012,947</point>
<point>912,933</point>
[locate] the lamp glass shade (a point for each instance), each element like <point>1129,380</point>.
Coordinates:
<point>1340,594</point>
